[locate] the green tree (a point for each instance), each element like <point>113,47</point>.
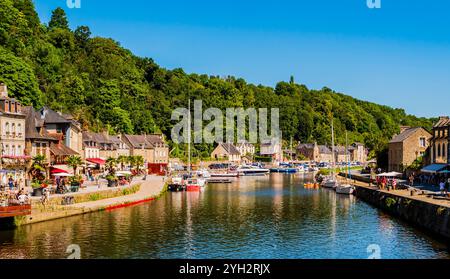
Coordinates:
<point>20,79</point>
<point>74,161</point>
<point>58,19</point>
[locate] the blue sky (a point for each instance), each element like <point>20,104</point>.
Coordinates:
<point>398,55</point>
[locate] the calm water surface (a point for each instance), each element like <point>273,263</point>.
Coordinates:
<point>255,217</point>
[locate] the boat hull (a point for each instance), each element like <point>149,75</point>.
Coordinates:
<point>345,190</point>
<point>193,188</point>
<point>284,170</point>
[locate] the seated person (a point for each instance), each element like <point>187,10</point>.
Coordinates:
<point>23,199</point>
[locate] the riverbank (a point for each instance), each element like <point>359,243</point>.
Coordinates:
<point>415,207</point>
<point>139,191</point>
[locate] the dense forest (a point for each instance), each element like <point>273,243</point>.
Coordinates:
<point>107,87</point>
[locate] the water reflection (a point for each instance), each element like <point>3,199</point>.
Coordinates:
<point>255,217</point>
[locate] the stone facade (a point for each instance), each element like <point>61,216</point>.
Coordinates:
<point>226,151</point>
<point>440,143</point>
<point>12,140</point>
<point>246,148</point>
<point>405,148</point>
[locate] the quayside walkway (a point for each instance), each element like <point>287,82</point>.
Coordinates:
<point>144,191</point>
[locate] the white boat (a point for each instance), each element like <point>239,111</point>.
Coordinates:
<point>203,173</point>
<point>345,189</point>
<point>225,174</point>
<point>252,170</point>
<point>330,183</point>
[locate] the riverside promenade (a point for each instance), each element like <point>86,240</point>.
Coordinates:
<point>419,208</point>
<point>140,191</point>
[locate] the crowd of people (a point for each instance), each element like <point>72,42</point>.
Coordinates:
<point>12,197</point>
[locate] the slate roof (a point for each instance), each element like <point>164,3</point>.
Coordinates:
<point>61,150</point>
<point>34,125</point>
<point>230,148</point>
<point>405,135</point>
<point>52,117</point>
<point>443,122</point>
<point>323,149</point>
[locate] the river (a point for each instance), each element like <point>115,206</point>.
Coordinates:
<point>254,217</point>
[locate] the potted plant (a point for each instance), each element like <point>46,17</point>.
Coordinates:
<point>75,182</point>
<point>37,173</point>
<point>112,180</point>
<point>37,188</point>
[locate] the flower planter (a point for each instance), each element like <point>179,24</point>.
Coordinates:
<point>38,192</point>
<point>112,183</point>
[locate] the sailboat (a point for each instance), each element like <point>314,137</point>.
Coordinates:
<point>193,184</point>
<point>331,181</point>
<point>346,189</point>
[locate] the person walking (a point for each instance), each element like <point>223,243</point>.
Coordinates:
<point>11,183</point>
<point>442,187</point>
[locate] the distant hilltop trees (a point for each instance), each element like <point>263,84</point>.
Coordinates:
<point>107,87</point>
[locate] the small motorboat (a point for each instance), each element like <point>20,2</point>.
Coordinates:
<point>225,174</point>
<point>195,184</point>
<point>176,185</point>
<point>284,169</point>
<point>345,189</point>
<point>331,183</point>
<point>312,185</point>
<point>219,180</point>
<point>252,170</point>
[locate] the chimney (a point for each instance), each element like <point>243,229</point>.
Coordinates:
<point>106,134</point>
<point>404,128</point>
<point>3,90</point>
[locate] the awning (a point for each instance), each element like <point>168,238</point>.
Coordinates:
<point>56,170</point>
<point>434,168</point>
<point>97,161</point>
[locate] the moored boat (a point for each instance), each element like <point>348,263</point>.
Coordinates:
<point>176,185</point>
<point>226,174</point>
<point>252,170</point>
<point>284,170</point>
<point>345,189</point>
<point>195,184</point>
<point>331,183</point>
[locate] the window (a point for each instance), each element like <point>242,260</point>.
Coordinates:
<point>19,150</point>
<point>13,129</point>
<point>7,128</point>
<point>439,150</point>
<point>6,150</point>
<point>444,150</point>
<point>19,129</point>
<point>423,142</point>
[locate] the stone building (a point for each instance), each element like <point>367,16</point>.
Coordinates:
<point>405,148</point>
<point>314,152</point>
<point>245,148</point>
<point>226,151</point>
<point>151,147</point>
<point>358,152</point>
<point>440,142</point>
<point>12,141</point>
<point>272,149</point>
<point>37,139</point>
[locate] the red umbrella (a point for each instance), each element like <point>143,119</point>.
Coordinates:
<point>56,170</point>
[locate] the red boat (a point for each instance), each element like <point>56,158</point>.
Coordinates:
<point>15,210</point>
<point>195,185</point>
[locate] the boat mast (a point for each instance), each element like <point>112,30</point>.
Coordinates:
<point>332,147</point>
<point>189,136</point>
<point>346,154</point>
